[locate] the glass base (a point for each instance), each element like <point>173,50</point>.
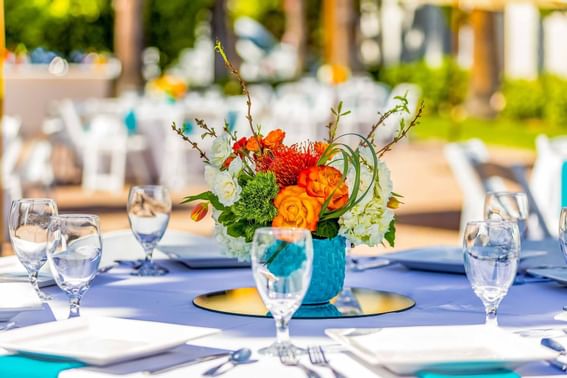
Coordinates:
<point>150,269</point>
<point>277,349</point>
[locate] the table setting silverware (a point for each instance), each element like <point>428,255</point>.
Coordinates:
<point>318,358</point>
<point>288,358</point>
<point>235,358</point>
<point>558,363</point>
<point>361,266</point>
<point>195,361</point>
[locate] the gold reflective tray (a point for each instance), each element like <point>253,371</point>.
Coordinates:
<point>351,303</point>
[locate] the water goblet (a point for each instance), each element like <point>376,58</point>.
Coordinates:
<point>282,260</point>
<point>74,252</point>
<point>149,208</point>
<point>28,223</point>
<point>509,206</point>
<point>491,253</point>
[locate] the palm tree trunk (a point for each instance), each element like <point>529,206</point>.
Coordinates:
<point>128,43</point>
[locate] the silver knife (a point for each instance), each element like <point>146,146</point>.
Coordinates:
<point>552,344</point>
<point>197,360</point>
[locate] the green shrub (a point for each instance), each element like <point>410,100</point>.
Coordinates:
<point>524,98</point>
<point>442,87</point>
<point>555,108</point>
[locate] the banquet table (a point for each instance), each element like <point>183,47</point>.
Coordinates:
<point>441,299</point>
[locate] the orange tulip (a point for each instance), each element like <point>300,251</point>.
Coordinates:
<point>274,138</point>
<point>322,182</point>
<point>296,209</point>
<point>200,211</point>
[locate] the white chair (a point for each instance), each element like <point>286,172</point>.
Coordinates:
<point>545,182</point>
<point>469,162</point>
<point>105,140</point>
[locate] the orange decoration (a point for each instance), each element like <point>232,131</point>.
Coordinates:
<point>321,182</point>
<point>252,144</point>
<point>274,138</point>
<point>239,145</point>
<point>296,209</point>
<point>199,211</point>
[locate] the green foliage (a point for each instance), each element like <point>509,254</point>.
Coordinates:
<point>390,235</point>
<point>555,108</point>
<point>543,98</point>
<point>61,26</point>
<point>205,196</point>
<point>442,87</point>
<point>256,200</point>
<point>525,99</point>
<point>170,25</point>
<point>327,229</point>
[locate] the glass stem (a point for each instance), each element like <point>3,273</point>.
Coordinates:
<point>491,319</point>
<point>33,280</point>
<point>282,331</point>
<point>149,253</point>
<point>74,306</point>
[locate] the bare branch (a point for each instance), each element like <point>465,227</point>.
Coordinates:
<point>403,131</point>
<point>179,132</point>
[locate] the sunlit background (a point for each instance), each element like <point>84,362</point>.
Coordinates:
<point>92,87</point>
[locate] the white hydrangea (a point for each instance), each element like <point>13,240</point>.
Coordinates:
<point>225,187</point>
<point>366,224</point>
<point>235,166</point>
<point>236,247</point>
<point>221,150</point>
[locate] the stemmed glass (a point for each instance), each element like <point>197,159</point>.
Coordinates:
<point>491,253</point>
<point>282,260</point>
<point>28,222</point>
<point>509,206</point>
<point>563,235</point>
<point>74,251</point>
<point>149,208</point>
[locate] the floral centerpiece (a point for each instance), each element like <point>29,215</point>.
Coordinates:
<point>335,190</point>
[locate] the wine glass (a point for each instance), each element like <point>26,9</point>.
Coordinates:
<point>74,251</point>
<point>28,222</point>
<point>491,253</point>
<point>149,208</point>
<point>509,206</point>
<point>282,259</point>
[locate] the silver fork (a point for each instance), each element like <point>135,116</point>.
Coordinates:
<point>318,358</point>
<point>288,358</point>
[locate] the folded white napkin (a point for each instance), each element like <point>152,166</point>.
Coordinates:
<point>17,297</point>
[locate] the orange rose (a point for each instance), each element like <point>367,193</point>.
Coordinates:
<point>321,182</point>
<point>296,209</point>
<point>253,144</point>
<point>274,138</point>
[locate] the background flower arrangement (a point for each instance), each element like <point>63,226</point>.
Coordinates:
<point>328,187</point>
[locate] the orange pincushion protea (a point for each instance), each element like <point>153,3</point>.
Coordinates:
<point>287,162</point>
<point>323,181</point>
<point>296,209</point>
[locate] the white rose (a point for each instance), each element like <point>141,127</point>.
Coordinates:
<point>226,188</point>
<point>221,150</point>
<point>235,166</point>
<point>210,174</point>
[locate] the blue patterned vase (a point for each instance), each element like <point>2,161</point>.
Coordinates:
<point>329,259</point>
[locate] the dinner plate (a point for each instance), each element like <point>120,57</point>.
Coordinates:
<point>455,349</point>
<point>201,254</point>
<point>17,297</point>
<point>557,274</point>
<point>448,259</point>
<point>98,340</point>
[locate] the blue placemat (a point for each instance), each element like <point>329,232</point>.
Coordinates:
<point>18,366</point>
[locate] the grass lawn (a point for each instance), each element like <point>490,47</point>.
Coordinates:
<point>502,132</point>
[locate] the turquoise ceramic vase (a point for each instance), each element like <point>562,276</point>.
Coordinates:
<point>327,279</point>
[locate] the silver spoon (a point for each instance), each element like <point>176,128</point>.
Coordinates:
<point>239,356</point>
